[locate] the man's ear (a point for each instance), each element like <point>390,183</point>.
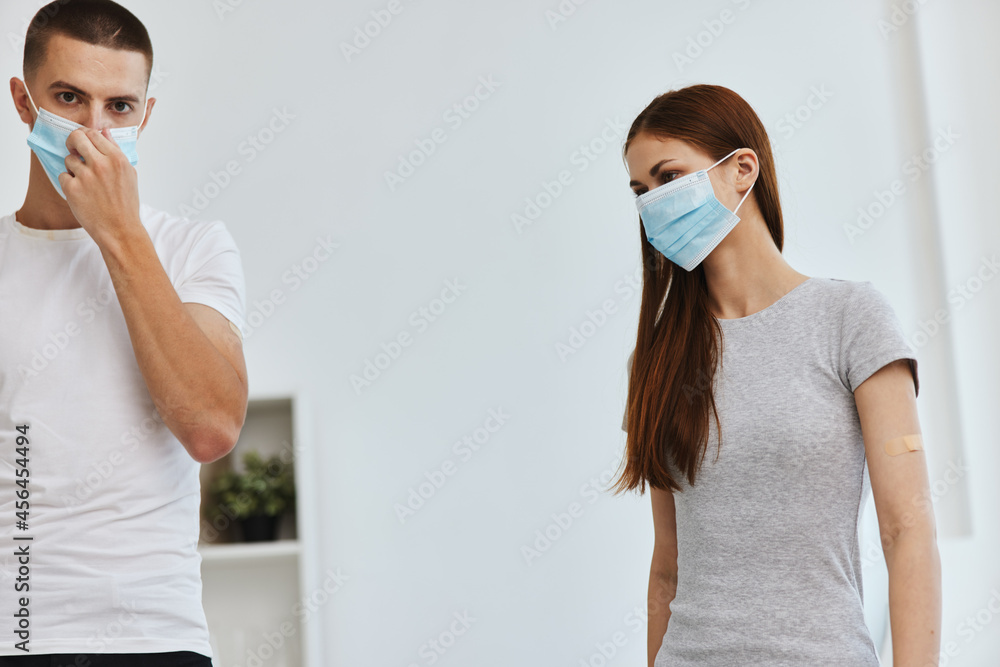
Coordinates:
<point>150,103</point>
<point>21,103</point>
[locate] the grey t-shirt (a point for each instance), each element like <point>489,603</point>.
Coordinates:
<point>768,567</point>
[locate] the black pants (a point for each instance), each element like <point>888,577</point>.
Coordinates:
<point>171,659</point>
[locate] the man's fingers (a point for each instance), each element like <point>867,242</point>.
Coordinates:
<point>79,142</point>
<point>73,162</point>
<point>90,143</point>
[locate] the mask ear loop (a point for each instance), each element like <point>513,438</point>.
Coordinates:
<point>29,98</point>
<point>145,107</point>
<point>744,197</point>
<point>748,189</point>
<point>724,159</point>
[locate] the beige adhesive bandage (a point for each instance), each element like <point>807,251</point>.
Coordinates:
<point>236,329</point>
<point>904,444</point>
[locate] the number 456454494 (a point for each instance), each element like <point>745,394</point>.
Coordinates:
<point>22,475</point>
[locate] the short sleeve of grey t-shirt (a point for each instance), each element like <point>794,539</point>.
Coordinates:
<point>768,561</point>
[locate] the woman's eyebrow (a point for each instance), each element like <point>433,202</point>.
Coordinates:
<point>656,168</point>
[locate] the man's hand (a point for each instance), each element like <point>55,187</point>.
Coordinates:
<point>103,190</point>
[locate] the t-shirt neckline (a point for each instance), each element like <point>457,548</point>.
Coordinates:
<point>769,311</point>
<point>47,234</point>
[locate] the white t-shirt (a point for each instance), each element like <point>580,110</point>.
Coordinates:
<point>113,497</point>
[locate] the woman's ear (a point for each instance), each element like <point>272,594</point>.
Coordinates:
<point>749,167</point>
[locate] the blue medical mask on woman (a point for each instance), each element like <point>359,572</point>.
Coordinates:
<point>48,141</point>
<point>684,219</point>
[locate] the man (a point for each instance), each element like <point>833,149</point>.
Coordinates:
<point>121,366</point>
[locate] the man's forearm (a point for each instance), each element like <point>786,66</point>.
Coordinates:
<point>662,587</point>
<point>914,566</point>
<point>196,391</point>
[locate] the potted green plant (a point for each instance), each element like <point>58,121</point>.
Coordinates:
<point>256,497</point>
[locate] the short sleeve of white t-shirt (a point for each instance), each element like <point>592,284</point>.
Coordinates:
<point>208,268</point>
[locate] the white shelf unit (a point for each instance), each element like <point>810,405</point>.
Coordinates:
<point>253,592</point>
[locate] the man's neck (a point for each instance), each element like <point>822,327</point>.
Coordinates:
<point>43,208</point>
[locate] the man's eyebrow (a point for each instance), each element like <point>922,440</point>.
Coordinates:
<point>84,94</point>
<point>652,172</point>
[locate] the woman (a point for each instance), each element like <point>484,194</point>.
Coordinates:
<point>756,558</point>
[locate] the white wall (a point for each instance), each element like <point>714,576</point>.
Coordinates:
<point>959,60</point>
<point>221,77</point>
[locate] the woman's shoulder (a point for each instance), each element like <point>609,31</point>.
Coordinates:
<point>856,297</point>
<point>838,287</point>
<point>841,295</point>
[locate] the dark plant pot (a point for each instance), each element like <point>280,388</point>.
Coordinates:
<point>260,528</point>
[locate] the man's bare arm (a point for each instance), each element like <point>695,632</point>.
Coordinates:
<point>191,359</point>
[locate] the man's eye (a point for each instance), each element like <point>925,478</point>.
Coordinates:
<point>63,97</point>
<point>123,107</point>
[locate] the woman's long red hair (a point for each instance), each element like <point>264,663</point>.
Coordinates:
<point>671,381</point>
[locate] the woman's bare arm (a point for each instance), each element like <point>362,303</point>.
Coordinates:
<point>663,570</point>
<point>898,469</point>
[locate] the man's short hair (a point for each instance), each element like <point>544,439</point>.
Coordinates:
<point>98,22</point>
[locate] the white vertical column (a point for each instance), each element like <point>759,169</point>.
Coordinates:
<point>940,395</point>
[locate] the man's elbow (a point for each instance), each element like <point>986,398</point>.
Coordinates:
<point>209,444</point>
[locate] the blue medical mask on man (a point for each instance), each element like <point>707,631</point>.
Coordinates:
<point>48,141</point>
<point>684,219</point>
